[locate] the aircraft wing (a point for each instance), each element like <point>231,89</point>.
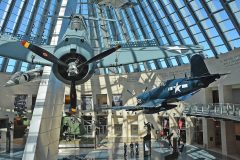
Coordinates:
<point>153,103</point>
<point>149,104</point>
<point>140,54</point>
<point>183,98</point>
<point>10,47</point>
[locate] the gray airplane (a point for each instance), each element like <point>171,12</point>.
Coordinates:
<point>23,77</point>
<point>74,60</point>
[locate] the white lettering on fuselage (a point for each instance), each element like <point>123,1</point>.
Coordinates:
<point>177,87</point>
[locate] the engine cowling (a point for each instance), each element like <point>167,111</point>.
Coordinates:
<point>24,78</point>
<point>85,71</point>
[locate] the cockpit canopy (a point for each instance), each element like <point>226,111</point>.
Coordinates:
<point>16,75</point>
<point>78,23</point>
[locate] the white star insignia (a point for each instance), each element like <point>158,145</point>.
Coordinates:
<point>177,88</point>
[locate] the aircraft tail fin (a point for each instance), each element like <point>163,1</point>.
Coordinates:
<point>198,66</point>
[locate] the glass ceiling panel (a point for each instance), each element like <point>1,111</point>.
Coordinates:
<point>199,27</point>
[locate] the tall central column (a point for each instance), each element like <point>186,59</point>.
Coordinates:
<point>43,138</point>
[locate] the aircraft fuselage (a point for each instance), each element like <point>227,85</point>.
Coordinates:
<point>175,89</point>
<point>75,46</point>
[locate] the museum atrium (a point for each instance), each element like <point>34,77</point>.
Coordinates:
<point>165,83</point>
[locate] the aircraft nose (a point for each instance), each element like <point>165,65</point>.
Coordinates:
<point>9,83</point>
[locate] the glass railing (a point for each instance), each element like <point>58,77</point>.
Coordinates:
<point>214,110</point>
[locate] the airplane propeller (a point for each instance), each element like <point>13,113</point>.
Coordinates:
<point>50,57</point>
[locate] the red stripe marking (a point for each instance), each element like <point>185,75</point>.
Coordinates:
<point>23,42</point>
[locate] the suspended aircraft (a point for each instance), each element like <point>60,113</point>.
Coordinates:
<point>23,77</point>
<point>73,59</point>
<point>128,5</point>
<point>174,90</point>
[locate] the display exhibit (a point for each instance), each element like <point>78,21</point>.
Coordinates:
<point>119,79</point>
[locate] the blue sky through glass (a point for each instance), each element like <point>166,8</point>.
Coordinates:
<point>132,28</point>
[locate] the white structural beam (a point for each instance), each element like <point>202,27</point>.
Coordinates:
<point>44,131</point>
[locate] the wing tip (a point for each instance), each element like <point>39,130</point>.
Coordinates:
<point>25,44</point>
<point>118,46</point>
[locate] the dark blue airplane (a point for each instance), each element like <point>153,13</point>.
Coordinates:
<point>174,90</point>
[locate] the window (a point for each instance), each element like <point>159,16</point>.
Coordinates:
<point>117,100</point>
<point>11,64</point>
<point>86,102</point>
<point>118,129</point>
<point>162,63</point>
<point>164,122</point>
<point>87,122</point>
<point>134,130</point>
<point>151,65</point>
<point>102,124</point>
<point>24,66</point>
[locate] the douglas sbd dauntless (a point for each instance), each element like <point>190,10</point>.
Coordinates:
<point>174,90</point>
<point>73,58</point>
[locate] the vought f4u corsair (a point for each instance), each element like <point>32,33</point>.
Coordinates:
<point>73,59</point>
<point>174,90</point>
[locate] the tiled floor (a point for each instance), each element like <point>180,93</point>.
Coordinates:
<point>115,151</point>
<point>159,152</point>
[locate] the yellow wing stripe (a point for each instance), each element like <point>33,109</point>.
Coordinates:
<point>25,44</point>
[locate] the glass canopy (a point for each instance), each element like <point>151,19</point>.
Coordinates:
<point>214,24</point>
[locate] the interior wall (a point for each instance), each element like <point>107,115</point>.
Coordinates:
<point>237,133</point>
<point>235,96</point>
<point>7,95</point>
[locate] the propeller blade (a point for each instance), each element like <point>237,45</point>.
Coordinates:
<point>73,97</point>
<point>43,53</point>
<point>101,55</point>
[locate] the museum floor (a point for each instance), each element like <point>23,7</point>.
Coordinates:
<point>160,150</point>
<point>115,151</point>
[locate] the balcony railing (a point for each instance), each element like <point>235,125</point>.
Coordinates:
<point>214,110</point>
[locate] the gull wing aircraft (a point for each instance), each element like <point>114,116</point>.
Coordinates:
<point>73,60</point>
<point>23,77</point>
<point>174,90</point>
